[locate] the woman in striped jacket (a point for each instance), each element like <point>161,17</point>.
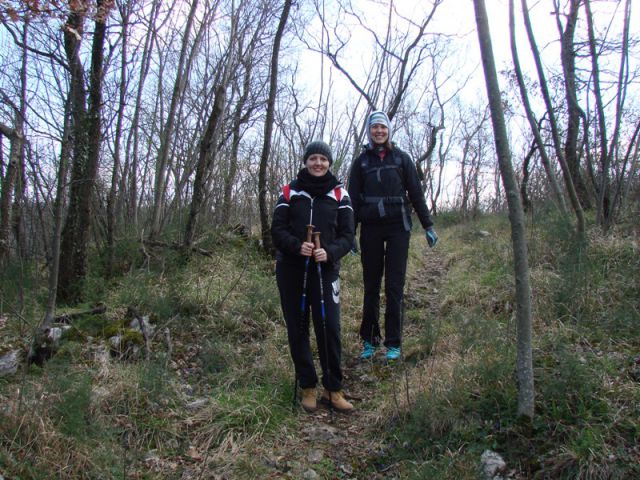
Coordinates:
<point>308,273</point>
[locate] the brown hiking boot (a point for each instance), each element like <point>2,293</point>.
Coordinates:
<point>309,400</point>
<point>336,400</point>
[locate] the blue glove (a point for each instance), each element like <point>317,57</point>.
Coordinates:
<point>432,237</point>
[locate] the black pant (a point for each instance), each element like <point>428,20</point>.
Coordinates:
<point>290,279</point>
<point>384,250</point>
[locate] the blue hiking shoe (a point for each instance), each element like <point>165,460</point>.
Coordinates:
<point>393,353</point>
<point>368,351</point>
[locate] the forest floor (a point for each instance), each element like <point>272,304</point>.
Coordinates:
<point>347,444</point>
<point>212,397</point>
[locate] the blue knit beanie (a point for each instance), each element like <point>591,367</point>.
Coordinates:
<point>380,118</point>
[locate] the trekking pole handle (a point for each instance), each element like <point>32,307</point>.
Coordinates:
<point>316,240</point>
<point>310,232</point>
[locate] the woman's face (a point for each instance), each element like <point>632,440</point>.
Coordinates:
<point>317,164</point>
<point>379,133</point>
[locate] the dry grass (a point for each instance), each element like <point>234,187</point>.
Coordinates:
<point>215,402</point>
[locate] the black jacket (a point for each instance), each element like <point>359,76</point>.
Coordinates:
<point>331,214</point>
<point>383,190</point>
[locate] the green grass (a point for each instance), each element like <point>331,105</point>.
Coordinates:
<point>586,423</point>
<point>215,395</point>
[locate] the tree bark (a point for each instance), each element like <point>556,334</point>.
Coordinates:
<point>268,129</point>
<point>166,136</point>
<point>130,173</point>
<point>574,112</point>
<point>604,205</point>
<point>15,168</point>
<point>533,124</point>
<point>87,142</point>
<point>553,123</point>
<point>8,185</point>
<point>112,198</point>
<point>524,360</point>
<point>208,149</point>
<point>58,212</point>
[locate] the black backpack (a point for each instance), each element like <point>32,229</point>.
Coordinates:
<point>378,204</point>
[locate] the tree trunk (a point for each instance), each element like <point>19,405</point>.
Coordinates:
<point>568,57</point>
<point>73,32</point>
<point>112,198</point>
<point>524,360</point>
<point>555,131</point>
<point>526,174</point>
<point>130,175</point>
<point>208,150</point>
<point>238,120</point>
<point>533,124</point>
<point>88,139</point>
<point>19,199</point>
<point>268,129</point>
<point>8,187</point>
<point>604,205</point>
<point>58,212</point>
<point>166,137</point>
<point>15,168</point>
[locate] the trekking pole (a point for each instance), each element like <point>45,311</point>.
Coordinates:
<point>303,301</point>
<point>316,241</point>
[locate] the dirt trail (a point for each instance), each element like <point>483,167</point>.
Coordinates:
<point>332,445</point>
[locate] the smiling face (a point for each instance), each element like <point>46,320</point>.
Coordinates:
<point>317,164</point>
<point>379,133</point>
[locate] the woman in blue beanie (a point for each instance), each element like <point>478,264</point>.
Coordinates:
<point>384,186</point>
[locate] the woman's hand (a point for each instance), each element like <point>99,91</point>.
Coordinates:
<point>306,249</point>
<point>320,255</point>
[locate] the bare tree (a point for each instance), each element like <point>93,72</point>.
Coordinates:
<point>540,145</point>
<point>574,112</point>
<point>131,167</point>
<point>13,181</point>
<point>166,137</point>
<point>16,138</point>
<point>208,148</point>
<point>125,12</point>
<point>58,212</point>
<point>407,62</point>
<point>268,129</point>
<point>473,138</point>
<point>87,140</point>
<point>553,123</point>
<point>524,360</point>
<point>608,150</point>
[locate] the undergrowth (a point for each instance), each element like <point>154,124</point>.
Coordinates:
<point>586,343</point>
<point>216,385</point>
<point>93,411</point>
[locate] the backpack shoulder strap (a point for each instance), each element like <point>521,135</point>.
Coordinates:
<point>286,192</point>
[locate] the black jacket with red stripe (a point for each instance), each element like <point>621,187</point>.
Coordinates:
<point>331,214</point>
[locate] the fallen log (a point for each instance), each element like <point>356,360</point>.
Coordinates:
<point>178,247</point>
<point>68,317</point>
